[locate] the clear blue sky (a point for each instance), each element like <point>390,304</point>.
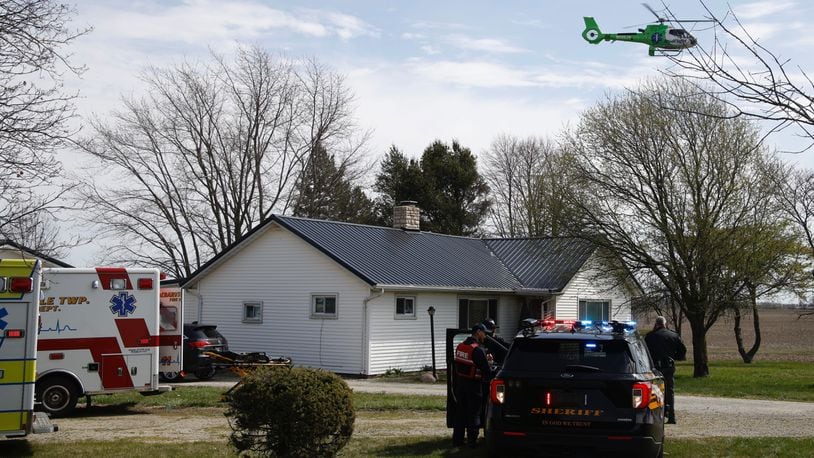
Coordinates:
<point>420,70</point>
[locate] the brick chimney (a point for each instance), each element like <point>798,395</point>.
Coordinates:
<point>407,216</point>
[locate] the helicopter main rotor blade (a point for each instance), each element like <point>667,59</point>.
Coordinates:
<point>649,8</point>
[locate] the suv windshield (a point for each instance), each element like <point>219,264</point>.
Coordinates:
<point>550,355</point>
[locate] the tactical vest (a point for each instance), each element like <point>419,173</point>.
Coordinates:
<point>464,365</point>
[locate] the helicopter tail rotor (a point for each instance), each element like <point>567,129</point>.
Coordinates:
<point>592,34</point>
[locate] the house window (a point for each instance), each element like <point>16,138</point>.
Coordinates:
<point>405,307</point>
<point>594,310</point>
<point>252,312</point>
<point>472,311</point>
<point>323,306</point>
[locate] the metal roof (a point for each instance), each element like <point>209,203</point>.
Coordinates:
<point>542,263</point>
<point>389,256</point>
<point>384,256</point>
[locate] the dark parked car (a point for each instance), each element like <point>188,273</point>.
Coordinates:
<point>576,388</point>
<point>198,338</point>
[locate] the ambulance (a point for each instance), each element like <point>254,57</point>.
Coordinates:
<point>101,333</point>
<point>19,293</point>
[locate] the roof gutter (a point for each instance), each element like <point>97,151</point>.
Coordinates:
<point>538,291</point>
<point>443,288</point>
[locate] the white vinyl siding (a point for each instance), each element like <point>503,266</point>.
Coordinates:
<point>284,271</point>
<point>406,344</point>
<point>590,284</point>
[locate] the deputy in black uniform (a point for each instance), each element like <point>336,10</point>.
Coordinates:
<point>665,348</point>
<point>472,370</point>
<point>495,345</point>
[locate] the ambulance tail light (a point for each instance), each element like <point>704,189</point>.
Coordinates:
<point>21,284</point>
<point>641,395</point>
<point>497,391</point>
<point>14,333</point>
<point>199,343</point>
<point>145,283</point>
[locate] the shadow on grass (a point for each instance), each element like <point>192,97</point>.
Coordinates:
<point>124,408</point>
<point>17,447</point>
<point>432,447</point>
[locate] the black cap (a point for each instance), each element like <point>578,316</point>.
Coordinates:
<point>489,324</point>
<point>478,327</point>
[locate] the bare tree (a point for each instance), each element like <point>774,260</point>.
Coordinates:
<point>34,108</point>
<point>797,197</point>
<point>753,82</point>
<point>40,231</point>
<point>528,181</point>
<point>211,151</point>
<point>671,195</point>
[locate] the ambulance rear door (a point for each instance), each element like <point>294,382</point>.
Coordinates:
<point>171,349</point>
<point>19,296</point>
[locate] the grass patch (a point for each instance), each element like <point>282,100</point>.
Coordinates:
<point>385,401</point>
<point>407,446</point>
<point>690,448</point>
<point>775,380</point>
<point>119,448</point>
<point>191,396</point>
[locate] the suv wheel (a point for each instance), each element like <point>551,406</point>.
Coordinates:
<point>171,377</point>
<point>205,372</point>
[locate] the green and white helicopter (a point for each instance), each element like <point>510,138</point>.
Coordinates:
<point>661,38</point>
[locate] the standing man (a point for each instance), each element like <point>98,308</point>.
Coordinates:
<point>665,347</point>
<point>472,370</point>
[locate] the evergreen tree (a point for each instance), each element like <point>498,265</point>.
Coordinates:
<point>445,183</point>
<point>325,191</point>
<point>400,179</point>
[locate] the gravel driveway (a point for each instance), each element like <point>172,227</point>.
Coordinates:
<point>697,417</point>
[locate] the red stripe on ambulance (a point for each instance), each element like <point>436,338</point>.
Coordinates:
<point>134,333</point>
<point>104,350</point>
<point>106,274</point>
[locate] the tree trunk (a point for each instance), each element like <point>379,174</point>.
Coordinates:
<point>748,356</point>
<point>700,360</point>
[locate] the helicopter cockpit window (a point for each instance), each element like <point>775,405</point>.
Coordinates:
<point>678,32</point>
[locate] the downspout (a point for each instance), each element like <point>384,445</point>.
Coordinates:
<point>365,333</point>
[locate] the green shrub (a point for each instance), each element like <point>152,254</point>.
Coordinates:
<point>294,412</point>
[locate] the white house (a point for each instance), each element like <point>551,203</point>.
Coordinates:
<point>354,299</point>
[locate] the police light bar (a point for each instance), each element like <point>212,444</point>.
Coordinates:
<point>617,327</point>
<point>561,325</point>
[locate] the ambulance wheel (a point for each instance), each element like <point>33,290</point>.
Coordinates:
<point>171,377</point>
<point>205,372</point>
<point>57,395</point>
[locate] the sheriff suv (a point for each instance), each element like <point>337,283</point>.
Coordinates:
<point>576,388</point>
